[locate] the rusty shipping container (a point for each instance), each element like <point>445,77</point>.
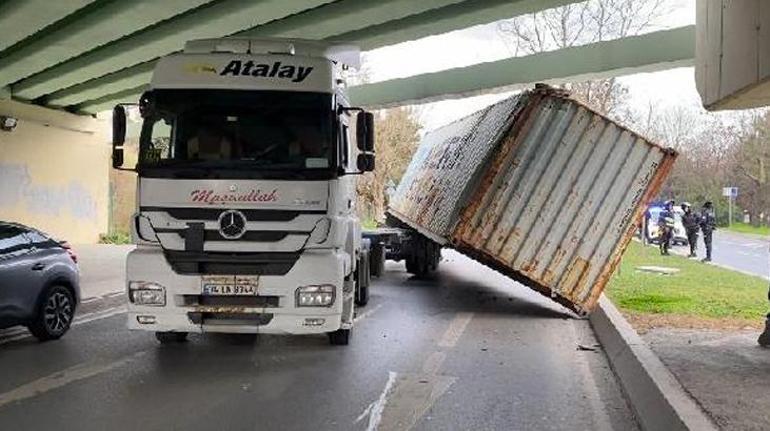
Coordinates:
<point>538,187</point>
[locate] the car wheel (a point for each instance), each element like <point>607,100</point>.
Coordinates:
<point>171,337</point>
<point>54,315</point>
<point>340,337</point>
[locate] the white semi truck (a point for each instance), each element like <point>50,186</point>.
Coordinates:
<point>247,166</point>
<point>246,218</point>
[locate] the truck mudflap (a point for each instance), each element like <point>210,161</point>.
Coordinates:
<point>538,187</point>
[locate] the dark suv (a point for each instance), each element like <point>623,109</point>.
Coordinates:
<point>38,281</point>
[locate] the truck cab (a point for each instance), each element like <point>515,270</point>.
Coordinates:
<point>245,219</point>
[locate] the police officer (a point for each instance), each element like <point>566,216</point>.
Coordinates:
<point>708,226</point>
<point>666,227</point>
<point>764,337</point>
<point>691,223</point>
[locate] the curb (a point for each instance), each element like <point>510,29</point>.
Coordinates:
<point>657,398</point>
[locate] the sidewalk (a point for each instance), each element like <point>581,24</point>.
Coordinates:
<point>727,373</point>
<point>102,268</point>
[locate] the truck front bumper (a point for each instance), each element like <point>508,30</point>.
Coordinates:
<point>272,310</point>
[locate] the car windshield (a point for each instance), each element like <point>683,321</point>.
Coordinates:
<point>235,134</point>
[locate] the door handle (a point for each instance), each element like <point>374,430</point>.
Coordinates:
<point>38,267</point>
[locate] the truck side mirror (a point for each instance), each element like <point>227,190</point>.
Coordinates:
<point>365,162</point>
<point>365,131</point>
<point>118,135</point>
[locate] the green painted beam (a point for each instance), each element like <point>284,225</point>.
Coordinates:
<point>94,27</point>
<point>654,51</point>
<point>366,22</point>
<point>650,52</point>
<point>320,23</point>
<point>218,19</point>
<point>20,19</point>
<point>450,18</point>
<point>109,101</point>
<point>117,82</point>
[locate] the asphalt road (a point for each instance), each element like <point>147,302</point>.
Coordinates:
<point>469,349</point>
<point>744,252</point>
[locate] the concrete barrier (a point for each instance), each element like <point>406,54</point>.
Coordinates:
<point>659,401</point>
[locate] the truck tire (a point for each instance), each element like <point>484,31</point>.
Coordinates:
<point>340,337</point>
<point>377,260</point>
<point>423,258</point>
<point>171,337</point>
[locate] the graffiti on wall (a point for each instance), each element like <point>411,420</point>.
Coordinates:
<point>17,187</point>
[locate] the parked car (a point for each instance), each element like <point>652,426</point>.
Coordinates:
<point>651,222</point>
<point>38,281</point>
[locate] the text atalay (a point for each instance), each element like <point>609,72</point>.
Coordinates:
<point>277,69</point>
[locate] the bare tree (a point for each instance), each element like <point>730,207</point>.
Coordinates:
<point>752,169</point>
<point>397,135</point>
<point>581,23</point>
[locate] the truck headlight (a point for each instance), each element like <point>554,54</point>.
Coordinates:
<point>147,293</point>
<point>321,231</point>
<point>321,295</point>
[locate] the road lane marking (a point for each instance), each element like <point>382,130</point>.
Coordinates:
<point>408,396</point>
<point>411,397</point>
<point>376,408</point>
<point>455,330</point>
<point>367,313</point>
<point>22,333</point>
<point>433,363</point>
<point>63,378</point>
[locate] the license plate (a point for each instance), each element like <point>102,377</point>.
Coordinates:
<point>230,285</point>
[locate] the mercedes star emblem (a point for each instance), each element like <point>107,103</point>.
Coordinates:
<point>233,188</point>
<point>232,224</point>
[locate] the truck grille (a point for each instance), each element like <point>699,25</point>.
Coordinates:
<point>230,319</point>
<point>192,263</point>
<point>240,301</point>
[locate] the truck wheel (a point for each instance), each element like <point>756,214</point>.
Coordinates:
<point>377,260</point>
<point>416,266</point>
<point>340,337</point>
<point>171,337</point>
<point>54,314</point>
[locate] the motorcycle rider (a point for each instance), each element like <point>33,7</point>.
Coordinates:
<point>708,224</point>
<point>691,222</point>
<point>666,227</point>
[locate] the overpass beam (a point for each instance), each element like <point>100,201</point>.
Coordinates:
<point>646,53</point>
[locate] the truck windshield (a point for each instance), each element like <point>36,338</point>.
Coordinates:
<point>238,134</point>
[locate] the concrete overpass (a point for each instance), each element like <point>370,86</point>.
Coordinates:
<point>84,56</point>
<point>62,62</point>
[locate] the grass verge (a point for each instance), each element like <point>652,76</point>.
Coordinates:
<point>369,223</point>
<point>747,228</point>
<point>115,238</point>
<point>699,295</point>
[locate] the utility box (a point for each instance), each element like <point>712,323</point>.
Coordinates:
<point>732,53</point>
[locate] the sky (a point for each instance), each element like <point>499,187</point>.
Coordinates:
<point>485,43</point>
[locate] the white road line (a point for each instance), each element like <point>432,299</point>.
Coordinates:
<point>367,313</point>
<point>103,314</point>
<point>62,378</point>
<point>22,333</point>
<point>455,330</point>
<point>433,363</point>
<point>375,413</point>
